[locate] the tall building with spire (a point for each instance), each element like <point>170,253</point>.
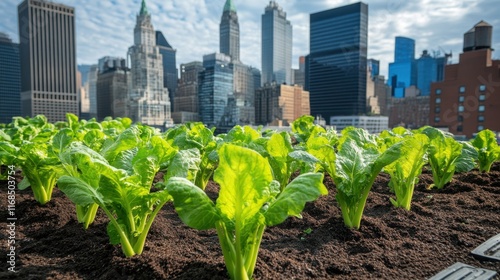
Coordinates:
<point>47,50</point>
<point>148,99</point>
<point>276,46</point>
<point>229,29</point>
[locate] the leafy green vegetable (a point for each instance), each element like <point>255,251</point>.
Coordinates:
<point>123,191</point>
<point>357,165</point>
<point>487,148</point>
<point>249,200</point>
<point>406,169</point>
<point>446,155</point>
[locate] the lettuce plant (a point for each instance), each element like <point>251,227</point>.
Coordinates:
<point>357,164</point>
<point>487,148</point>
<point>447,156</point>
<point>194,136</point>
<point>249,201</point>
<point>405,170</point>
<point>121,188</point>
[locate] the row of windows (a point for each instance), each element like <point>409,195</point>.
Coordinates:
<point>460,127</point>
<point>49,96</point>
<point>480,119</point>
<point>461,89</point>
<point>461,98</point>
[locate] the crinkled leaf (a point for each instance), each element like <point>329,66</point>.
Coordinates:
<point>185,164</point>
<point>291,201</point>
<point>467,159</point>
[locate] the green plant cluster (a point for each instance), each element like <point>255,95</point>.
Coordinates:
<point>264,176</point>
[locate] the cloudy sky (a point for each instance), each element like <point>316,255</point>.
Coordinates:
<point>105,27</point>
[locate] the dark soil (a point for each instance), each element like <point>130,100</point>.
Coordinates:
<point>441,229</point>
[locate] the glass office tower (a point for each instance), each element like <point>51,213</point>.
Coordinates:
<point>170,75</point>
<point>10,79</point>
<point>336,65</point>
<point>403,71</point>
<point>276,46</point>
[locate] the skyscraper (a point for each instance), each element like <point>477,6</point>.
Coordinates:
<point>149,102</point>
<point>403,71</point>
<point>111,88</point>
<point>48,59</point>
<point>10,79</point>
<point>276,45</point>
<point>230,32</point>
<point>215,87</point>
<point>336,65</point>
<point>186,99</point>
<point>170,75</point>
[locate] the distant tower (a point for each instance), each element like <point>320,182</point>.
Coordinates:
<point>170,75</point>
<point>149,103</point>
<point>230,32</point>
<point>111,88</point>
<point>48,59</point>
<point>276,45</point>
<point>403,71</point>
<point>10,79</point>
<point>215,86</point>
<point>336,66</point>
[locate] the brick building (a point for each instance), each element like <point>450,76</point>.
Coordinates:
<point>468,99</point>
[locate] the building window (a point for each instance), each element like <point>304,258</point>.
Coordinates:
<point>436,119</point>
<point>461,89</point>
<point>460,128</point>
<point>438,91</point>
<point>437,110</point>
<point>482,97</point>
<point>460,118</point>
<point>438,100</point>
<point>480,118</point>
<point>480,127</point>
<point>481,108</point>
<point>482,88</point>
<point>460,108</point>
<point>461,98</point>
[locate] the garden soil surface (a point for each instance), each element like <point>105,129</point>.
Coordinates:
<point>442,228</point>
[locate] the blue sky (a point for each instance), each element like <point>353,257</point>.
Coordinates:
<point>105,27</point>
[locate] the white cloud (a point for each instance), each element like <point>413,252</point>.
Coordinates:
<point>192,26</point>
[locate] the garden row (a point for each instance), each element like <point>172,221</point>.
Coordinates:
<point>111,165</point>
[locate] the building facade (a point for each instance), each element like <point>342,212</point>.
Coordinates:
<point>467,100</point>
<point>276,45</point>
<point>92,89</point>
<point>373,124</point>
<point>48,59</point>
<point>336,65</point>
<point>186,99</point>
<point>170,75</point>
<point>280,104</point>
<point>10,79</point>
<point>215,88</point>
<point>403,71</point>
<point>148,99</point>
<point>229,29</point>
<point>112,88</point>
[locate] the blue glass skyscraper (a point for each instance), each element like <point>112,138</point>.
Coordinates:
<point>215,85</point>
<point>276,45</point>
<point>336,65</point>
<point>426,73</point>
<point>10,79</point>
<point>402,72</point>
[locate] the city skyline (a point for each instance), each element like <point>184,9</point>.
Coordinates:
<point>192,26</point>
